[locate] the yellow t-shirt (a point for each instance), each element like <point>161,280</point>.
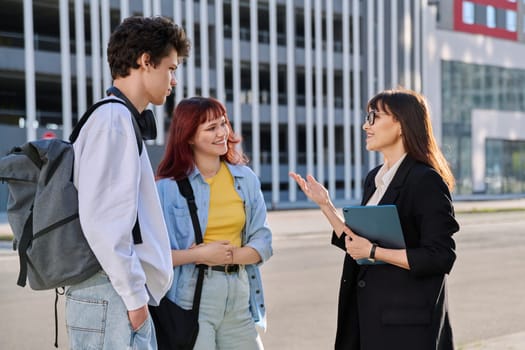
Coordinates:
<point>226,217</point>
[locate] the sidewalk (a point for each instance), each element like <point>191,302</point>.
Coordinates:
<point>301,222</point>
<point>313,221</point>
<point>489,205</point>
<point>308,221</point>
<point>507,342</point>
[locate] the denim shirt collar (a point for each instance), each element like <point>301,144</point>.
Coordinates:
<point>234,170</point>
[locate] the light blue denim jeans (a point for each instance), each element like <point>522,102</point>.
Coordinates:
<point>225,321</point>
<point>97,319</point>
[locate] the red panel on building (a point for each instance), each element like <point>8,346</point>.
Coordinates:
<point>477,28</point>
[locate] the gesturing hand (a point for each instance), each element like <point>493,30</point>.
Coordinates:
<point>313,189</point>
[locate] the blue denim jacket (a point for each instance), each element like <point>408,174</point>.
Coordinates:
<point>256,233</point>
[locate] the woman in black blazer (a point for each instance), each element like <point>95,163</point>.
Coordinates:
<point>401,304</point>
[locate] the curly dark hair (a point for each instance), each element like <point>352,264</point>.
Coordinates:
<point>136,35</point>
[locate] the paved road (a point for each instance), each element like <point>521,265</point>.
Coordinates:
<point>301,281</point>
<point>486,287</point>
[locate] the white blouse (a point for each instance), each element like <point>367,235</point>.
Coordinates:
<point>383,179</point>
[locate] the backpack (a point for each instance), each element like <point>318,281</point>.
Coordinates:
<point>42,210</point>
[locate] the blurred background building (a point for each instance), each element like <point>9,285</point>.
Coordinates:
<point>295,77</point>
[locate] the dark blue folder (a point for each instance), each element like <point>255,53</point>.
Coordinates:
<point>377,223</point>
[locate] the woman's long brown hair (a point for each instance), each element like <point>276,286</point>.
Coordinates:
<point>411,110</point>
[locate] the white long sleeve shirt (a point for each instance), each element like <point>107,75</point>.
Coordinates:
<point>114,184</point>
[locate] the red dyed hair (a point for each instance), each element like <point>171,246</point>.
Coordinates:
<point>178,160</point>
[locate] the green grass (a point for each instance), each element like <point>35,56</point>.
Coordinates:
<point>6,237</point>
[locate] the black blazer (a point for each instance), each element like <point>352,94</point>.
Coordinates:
<point>387,307</point>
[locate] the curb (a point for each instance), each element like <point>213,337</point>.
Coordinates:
<point>515,341</point>
<point>489,206</point>
<point>313,221</point>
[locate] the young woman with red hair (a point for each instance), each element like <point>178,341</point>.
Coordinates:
<point>232,216</point>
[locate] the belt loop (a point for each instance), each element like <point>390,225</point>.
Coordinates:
<point>207,269</point>
<point>240,272</point>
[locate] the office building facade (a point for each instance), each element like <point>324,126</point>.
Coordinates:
<point>481,93</point>
<point>295,77</point>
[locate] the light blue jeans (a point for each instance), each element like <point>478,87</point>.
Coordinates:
<point>97,319</point>
<point>225,321</point>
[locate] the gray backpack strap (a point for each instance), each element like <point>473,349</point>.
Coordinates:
<point>76,131</point>
<point>23,244</point>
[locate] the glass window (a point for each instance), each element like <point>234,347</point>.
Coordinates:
<point>491,17</point>
<point>505,166</point>
<point>480,14</point>
<point>468,12</point>
<point>501,18</point>
<point>511,21</point>
<point>493,166</point>
<point>468,86</point>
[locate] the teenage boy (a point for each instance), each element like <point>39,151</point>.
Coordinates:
<point>116,189</point>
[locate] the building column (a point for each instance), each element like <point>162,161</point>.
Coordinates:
<point>29,59</point>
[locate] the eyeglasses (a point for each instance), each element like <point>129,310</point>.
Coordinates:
<point>371,117</point>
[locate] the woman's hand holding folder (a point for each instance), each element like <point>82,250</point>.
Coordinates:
<point>357,246</point>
